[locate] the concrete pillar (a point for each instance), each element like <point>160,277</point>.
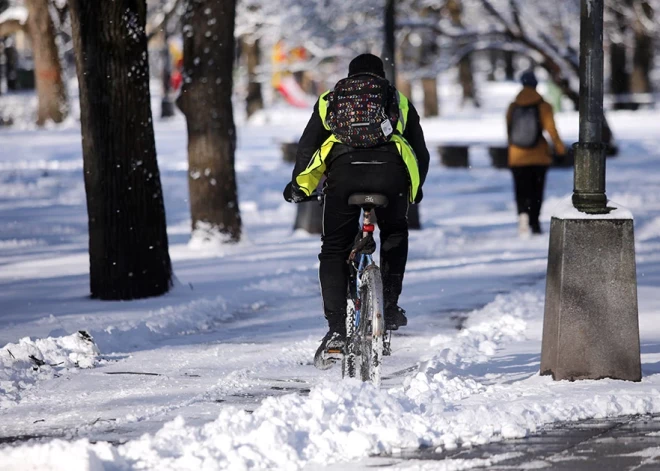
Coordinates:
<point>590,325</point>
<point>309,217</point>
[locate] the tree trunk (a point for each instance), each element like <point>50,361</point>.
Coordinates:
<point>509,68</point>
<point>402,83</point>
<point>640,81</point>
<point>465,77</point>
<point>205,100</point>
<point>128,246</point>
<point>11,65</point>
<point>430,87</point>
<point>47,68</point>
<point>404,86</point>
<point>254,100</point>
<point>2,66</point>
<point>428,54</point>
<point>619,76</point>
<point>493,56</point>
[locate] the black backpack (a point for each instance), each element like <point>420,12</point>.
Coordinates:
<point>525,128</point>
<point>363,111</point>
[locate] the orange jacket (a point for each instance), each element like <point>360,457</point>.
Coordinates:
<point>540,154</point>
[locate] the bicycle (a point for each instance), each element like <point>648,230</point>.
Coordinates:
<point>367,340</point>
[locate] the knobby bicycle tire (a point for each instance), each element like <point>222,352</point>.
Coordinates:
<point>350,361</point>
<point>371,329</point>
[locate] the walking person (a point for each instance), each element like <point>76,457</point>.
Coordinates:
<point>529,153</point>
<point>364,136</point>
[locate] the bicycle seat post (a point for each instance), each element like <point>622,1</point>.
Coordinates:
<point>367,226</point>
<point>367,201</point>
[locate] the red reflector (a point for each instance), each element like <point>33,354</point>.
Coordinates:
<point>368,228</point>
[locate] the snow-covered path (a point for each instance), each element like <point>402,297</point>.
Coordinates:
<point>243,322</point>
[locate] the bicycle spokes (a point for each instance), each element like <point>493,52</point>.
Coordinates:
<point>367,340</point>
<point>387,349</point>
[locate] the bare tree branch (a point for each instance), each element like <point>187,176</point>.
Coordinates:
<point>162,19</point>
<point>9,27</point>
<point>645,20</point>
<point>550,57</point>
<point>494,12</point>
<point>450,33</point>
<point>516,15</point>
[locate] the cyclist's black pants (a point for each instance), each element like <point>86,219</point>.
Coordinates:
<point>341,225</point>
<point>529,183</point>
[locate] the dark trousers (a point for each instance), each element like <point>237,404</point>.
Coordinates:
<point>529,183</point>
<point>341,225</point>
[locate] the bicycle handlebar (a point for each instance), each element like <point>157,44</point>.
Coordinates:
<point>313,197</point>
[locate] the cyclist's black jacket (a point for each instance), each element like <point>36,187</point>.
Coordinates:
<point>315,135</point>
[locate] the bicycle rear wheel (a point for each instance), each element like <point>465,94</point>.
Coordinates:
<point>371,329</point>
<point>351,361</point>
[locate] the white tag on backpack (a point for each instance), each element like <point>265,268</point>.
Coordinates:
<point>386,127</point>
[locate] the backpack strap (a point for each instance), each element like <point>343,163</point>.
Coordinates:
<point>385,91</point>
<point>404,107</point>
<point>324,105</point>
<point>538,120</point>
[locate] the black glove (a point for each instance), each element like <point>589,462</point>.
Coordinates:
<point>420,196</point>
<point>293,194</point>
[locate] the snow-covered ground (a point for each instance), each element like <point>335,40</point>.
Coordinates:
<point>217,374</point>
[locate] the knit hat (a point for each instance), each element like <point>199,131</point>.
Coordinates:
<point>528,79</point>
<point>366,63</point>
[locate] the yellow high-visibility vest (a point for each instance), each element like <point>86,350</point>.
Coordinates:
<point>309,178</point>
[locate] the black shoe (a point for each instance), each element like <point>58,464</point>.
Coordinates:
<point>395,317</point>
<point>536,228</point>
<point>331,349</point>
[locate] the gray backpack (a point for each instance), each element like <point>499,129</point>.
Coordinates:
<point>525,129</point>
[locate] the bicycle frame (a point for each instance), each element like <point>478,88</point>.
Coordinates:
<point>365,260</point>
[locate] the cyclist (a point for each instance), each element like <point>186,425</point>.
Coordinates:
<point>395,165</point>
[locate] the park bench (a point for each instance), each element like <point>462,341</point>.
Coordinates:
<point>456,155</point>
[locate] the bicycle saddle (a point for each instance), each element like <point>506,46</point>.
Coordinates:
<point>367,200</point>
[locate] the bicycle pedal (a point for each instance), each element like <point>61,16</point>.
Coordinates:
<point>326,360</point>
<point>387,346</point>
<point>333,355</point>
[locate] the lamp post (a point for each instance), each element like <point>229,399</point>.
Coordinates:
<point>589,178</point>
<point>389,51</point>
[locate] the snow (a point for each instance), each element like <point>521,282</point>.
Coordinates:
<point>25,363</point>
<point>566,210</point>
<point>19,14</point>
<point>217,374</point>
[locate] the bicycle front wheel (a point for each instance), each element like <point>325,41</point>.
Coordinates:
<point>371,329</point>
